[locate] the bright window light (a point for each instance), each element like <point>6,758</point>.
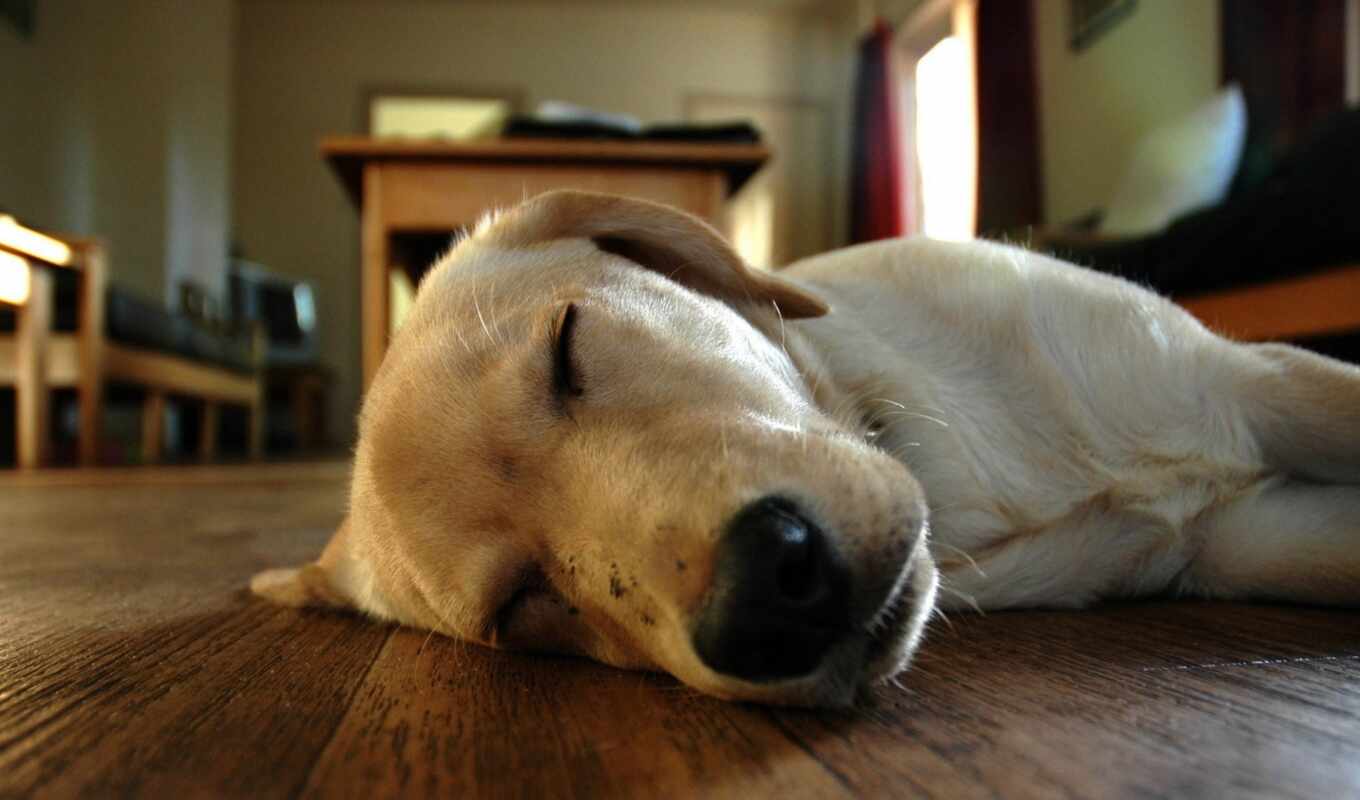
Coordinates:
<point>14,279</point>
<point>946,140</point>
<point>26,240</point>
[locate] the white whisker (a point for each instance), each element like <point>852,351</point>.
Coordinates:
<point>476,304</point>
<point>459,333</point>
<point>780,315</point>
<point>917,415</point>
<point>964,596</point>
<point>966,557</point>
<point>943,617</point>
<point>495,325</point>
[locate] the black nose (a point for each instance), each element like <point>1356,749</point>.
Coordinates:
<point>779,599</point>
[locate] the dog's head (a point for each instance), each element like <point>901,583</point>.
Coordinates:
<point>589,438</point>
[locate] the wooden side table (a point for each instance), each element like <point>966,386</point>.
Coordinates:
<point>409,186</point>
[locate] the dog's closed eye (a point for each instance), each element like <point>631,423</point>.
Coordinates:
<point>566,380</point>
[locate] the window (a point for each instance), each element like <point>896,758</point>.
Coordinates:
<point>940,110</point>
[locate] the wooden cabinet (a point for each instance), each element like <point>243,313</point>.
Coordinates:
<point>423,187</point>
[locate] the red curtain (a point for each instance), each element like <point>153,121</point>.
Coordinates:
<point>1010,183</point>
<point>878,208</point>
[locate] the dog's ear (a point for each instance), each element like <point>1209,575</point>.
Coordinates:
<point>664,239</point>
<point>313,584</point>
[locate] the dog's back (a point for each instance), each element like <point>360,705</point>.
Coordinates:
<point>1076,435</point>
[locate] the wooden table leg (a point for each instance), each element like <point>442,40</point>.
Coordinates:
<point>207,431</point>
<point>91,336</point>
<point>32,423</point>
<point>373,286</point>
<point>153,425</point>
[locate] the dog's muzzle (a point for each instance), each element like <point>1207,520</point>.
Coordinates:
<point>780,598</point>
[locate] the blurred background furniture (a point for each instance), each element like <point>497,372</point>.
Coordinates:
<point>73,331</point>
<point>295,380</point>
<point>413,195</point>
<point>1273,251</point>
<point>1276,258</point>
<point>32,359</point>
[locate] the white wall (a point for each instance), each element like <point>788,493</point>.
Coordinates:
<point>116,124</point>
<point>1155,65</point>
<point>302,68</point>
<point>199,50</point>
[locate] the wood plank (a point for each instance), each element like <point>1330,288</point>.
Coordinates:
<point>543,150</point>
<point>133,662</point>
<point>440,718</point>
<point>1324,303</point>
<point>443,197</point>
<point>1040,704</point>
<point>1131,701</point>
<point>348,155</point>
<point>178,375</point>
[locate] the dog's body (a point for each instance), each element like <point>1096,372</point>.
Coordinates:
<point>1079,437</point>
<point>601,433</point>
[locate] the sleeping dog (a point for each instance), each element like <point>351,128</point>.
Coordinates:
<point>599,432</point>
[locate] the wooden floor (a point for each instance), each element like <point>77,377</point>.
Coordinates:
<point>133,662</point>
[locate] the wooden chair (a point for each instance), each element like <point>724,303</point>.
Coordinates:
<point>35,359</point>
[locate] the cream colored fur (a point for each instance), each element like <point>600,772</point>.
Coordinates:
<point>1017,430</point>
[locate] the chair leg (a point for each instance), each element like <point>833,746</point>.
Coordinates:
<point>87,439</point>
<point>153,425</point>
<point>91,338</point>
<point>32,423</point>
<point>256,443</point>
<point>207,431</point>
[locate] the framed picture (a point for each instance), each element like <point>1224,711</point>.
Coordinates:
<point>448,114</point>
<point>1091,19</point>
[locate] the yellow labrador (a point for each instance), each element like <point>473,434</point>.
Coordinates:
<point>600,432</point>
